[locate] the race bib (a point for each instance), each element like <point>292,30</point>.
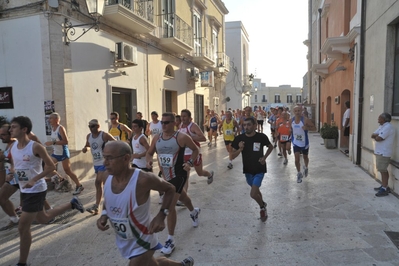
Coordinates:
<point>256,146</point>
<point>122,227</point>
<point>213,124</point>
<point>166,160</point>
<point>23,176</point>
<point>97,156</point>
<point>284,137</point>
<point>299,137</point>
<point>228,132</point>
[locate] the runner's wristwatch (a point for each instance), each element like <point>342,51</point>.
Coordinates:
<point>164,211</point>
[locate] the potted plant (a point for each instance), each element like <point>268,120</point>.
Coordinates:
<point>330,135</point>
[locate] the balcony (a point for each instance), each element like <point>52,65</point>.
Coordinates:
<point>176,34</point>
<point>222,63</point>
<point>336,47</point>
<point>137,16</point>
<point>203,52</point>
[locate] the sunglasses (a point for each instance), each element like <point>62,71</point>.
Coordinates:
<point>92,126</point>
<point>166,122</point>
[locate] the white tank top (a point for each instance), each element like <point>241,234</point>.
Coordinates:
<point>96,148</point>
<point>155,128</point>
<point>55,136</point>
<point>259,115</point>
<point>138,148</point>
<point>26,167</point>
<point>129,220</point>
<point>299,136</point>
<point>187,130</point>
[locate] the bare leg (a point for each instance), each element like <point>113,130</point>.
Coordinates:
<point>297,161</point>
<point>66,164</point>
<point>384,179</point>
<point>6,192</point>
<point>257,195</point>
<point>25,236</point>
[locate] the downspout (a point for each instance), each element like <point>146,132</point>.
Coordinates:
<point>361,82</point>
<point>310,59</point>
<point>319,81</point>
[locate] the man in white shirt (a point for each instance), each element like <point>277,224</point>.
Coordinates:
<point>345,126</point>
<point>384,138</point>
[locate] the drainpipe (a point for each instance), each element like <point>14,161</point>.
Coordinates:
<point>361,81</point>
<point>319,81</point>
<point>310,59</point>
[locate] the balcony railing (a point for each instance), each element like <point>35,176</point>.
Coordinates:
<point>203,47</point>
<point>144,9</point>
<point>223,61</point>
<point>174,27</point>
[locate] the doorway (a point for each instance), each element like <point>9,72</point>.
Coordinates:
<point>124,101</point>
<point>199,110</point>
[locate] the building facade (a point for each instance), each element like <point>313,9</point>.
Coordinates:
<point>239,83</point>
<point>137,56</point>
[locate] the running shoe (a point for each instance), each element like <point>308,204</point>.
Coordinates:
<point>195,218</point>
<point>275,145</point>
<point>285,161</point>
<point>382,193</point>
<point>189,261</point>
<point>305,171</point>
<point>56,180</point>
<point>230,166</point>
<point>168,247</point>
<point>209,144</point>
<point>378,188</point>
<point>78,190</point>
<point>76,204</point>
<point>299,177</point>
<point>180,204</point>
<point>9,226</point>
<point>51,221</point>
<point>289,152</point>
<point>18,210</point>
<point>93,209</point>
<point>210,178</point>
<point>263,213</point>
<point>215,144</point>
<point>60,184</point>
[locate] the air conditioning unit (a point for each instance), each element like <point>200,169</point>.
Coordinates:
<point>337,98</point>
<point>194,73</point>
<point>126,53</point>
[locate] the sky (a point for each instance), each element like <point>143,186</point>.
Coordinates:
<point>277,30</point>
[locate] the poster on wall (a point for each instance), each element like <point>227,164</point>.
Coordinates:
<point>207,79</point>
<point>48,109</point>
<point>6,101</point>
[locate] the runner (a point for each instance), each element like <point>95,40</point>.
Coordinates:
<point>229,129</point>
<point>260,114</point>
<point>95,141</point>
<point>214,121</point>
<point>27,157</point>
<point>59,141</point>
<point>127,207</point>
<point>169,146</point>
<point>193,130</point>
<point>206,124</point>
<point>154,127</point>
<point>300,141</point>
<point>250,145</point>
<point>140,146</point>
<point>284,133</point>
<point>118,130</point>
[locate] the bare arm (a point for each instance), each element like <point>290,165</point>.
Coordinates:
<point>87,145</point>
<point>127,130</point>
<point>198,132</point>
<point>143,142</point>
<point>151,150</point>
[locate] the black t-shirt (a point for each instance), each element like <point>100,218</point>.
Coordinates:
<point>253,150</point>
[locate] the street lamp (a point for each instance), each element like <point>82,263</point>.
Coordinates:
<point>96,9</point>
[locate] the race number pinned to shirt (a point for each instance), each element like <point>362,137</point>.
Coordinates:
<point>228,132</point>
<point>284,137</point>
<point>23,176</point>
<point>256,146</point>
<point>122,227</point>
<point>213,124</point>
<point>299,137</point>
<point>97,156</point>
<point>166,160</point>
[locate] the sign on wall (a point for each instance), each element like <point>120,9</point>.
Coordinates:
<point>48,109</point>
<point>207,79</point>
<point>6,101</point>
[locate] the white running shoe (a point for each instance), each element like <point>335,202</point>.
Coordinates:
<point>230,166</point>
<point>285,161</point>
<point>168,247</point>
<point>195,217</point>
<point>210,178</point>
<point>305,171</point>
<point>299,177</point>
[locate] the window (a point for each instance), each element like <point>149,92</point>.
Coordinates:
<point>256,98</point>
<point>298,98</point>
<point>215,45</point>
<point>289,98</point>
<point>169,72</point>
<point>168,18</point>
<point>395,102</point>
<point>264,99</point>
<point>277,98</point>
<point>197,31</point>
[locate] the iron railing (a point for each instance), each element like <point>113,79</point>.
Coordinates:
<point>175,27</point>
<point>223,61</point>
<point>142,8</point>
<point>203,47</point>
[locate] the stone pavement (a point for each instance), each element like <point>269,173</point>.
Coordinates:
<point>331,218</point>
